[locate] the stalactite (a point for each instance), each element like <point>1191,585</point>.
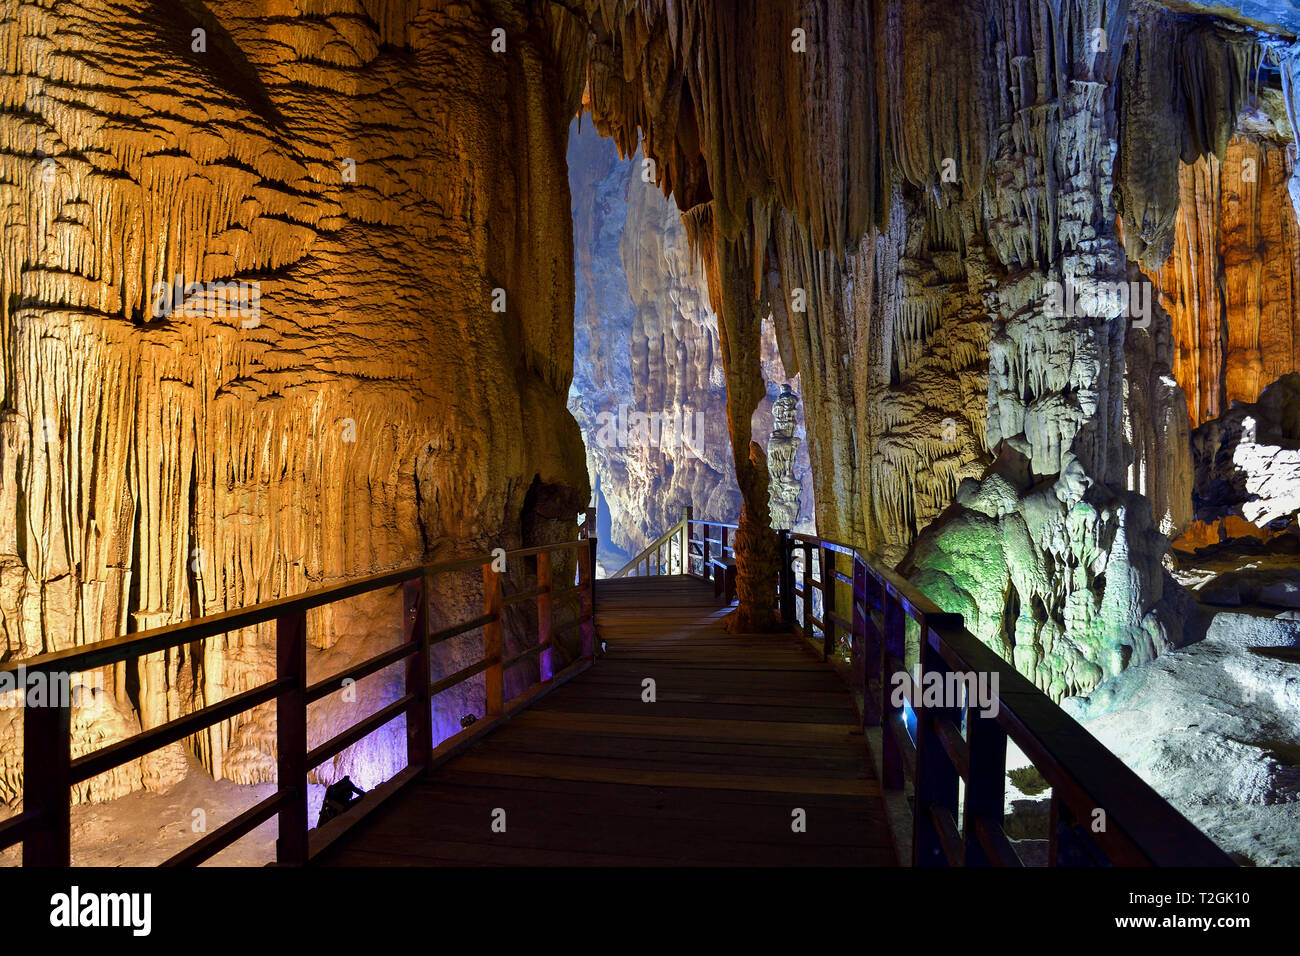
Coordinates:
<point>1185,82</point>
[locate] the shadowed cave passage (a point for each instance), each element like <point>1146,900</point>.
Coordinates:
<point>294,298</point>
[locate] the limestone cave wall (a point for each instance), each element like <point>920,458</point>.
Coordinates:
<point>1230,282</point>
<point>385,181</point>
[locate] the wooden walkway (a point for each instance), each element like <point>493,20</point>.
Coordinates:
<point>744,731</point>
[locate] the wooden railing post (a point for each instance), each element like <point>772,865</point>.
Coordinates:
<point>936,778</point>
<point>891,646</point>
<point>828,602</point>
<point>1068,841</point>
<point>545,669</point>
<point>587,562</point>
<point>873,647</point>
<point>291,738</point>
<point>704,547</point>
<point>986,742</point>
<point>688,515</point>
<point>807,592</point>
<point>419,716</point>
<point>858,639</point>
<point>787,579</point>
<point>494,676</point>
<point>47,780</point>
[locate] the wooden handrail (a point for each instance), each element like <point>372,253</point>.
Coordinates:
<point>651,550</point>
<point>216,841</point>
<point>133,748</point>
<point>682,531</point>
<point>118,649</point>
<point>44,826</point>
<point>692,549</point>
<point>336,682</point>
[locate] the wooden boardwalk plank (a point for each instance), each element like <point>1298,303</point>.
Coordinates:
<point>744,731</point>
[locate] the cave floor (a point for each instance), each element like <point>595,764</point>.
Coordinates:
<point>744,731</point>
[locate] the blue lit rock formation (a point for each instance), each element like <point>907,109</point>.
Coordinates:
<point>646,343</point>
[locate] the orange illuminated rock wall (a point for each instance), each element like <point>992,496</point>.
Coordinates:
<point>1230,285</point>
<point>395,189</point>
<point>1230,288</point>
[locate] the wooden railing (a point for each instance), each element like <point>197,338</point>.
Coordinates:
<point>679,551</point>
<point>50,772</point>
<point>659,554</point>
<point>954,755</point>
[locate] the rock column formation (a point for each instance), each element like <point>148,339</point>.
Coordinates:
<point>740,331</point>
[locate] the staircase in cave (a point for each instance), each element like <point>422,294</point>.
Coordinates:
<point>644,732</point>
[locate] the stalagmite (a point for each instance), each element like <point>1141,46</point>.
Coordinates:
<point>782,450</point>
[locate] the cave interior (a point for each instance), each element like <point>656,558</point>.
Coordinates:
<point>1003,293</point>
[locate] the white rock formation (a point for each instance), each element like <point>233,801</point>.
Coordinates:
<point>1215,729</point>
<point>1247,461</point>
<point>782,450</point>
